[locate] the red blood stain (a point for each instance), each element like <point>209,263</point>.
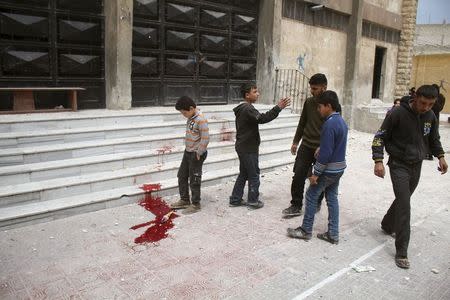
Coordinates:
<point>162,151</point>
<point>226,133</point>
<point>157,229</point>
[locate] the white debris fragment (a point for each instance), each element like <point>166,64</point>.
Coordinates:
<point>339,250</point>
<point>51,237</point>
<point>34,249</point>
<point>406,278</point>
<point>115,224</point>
<point>435,271</point>
<point>84,230</point>
<point>434,233</point>
<point>360,269</point>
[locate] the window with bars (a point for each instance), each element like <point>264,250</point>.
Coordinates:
<point>325,17</point>
<point>380,33</point>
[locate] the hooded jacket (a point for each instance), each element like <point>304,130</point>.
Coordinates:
<point>406,135</point>
<point>247,130</point>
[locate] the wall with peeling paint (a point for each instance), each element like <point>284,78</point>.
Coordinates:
<point>322,50</point>
<point>365,71</point>
<point>394,6</point>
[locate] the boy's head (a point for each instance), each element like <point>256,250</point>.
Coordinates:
<point>328,103</point>
<point>249,92</point>
<point>318,84</point>
<point>186,106</point>
<point>424,98</point>
<point>397,102</point>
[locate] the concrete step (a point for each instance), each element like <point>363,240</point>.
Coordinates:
<point>76,185</point>
<point>35,154</point>
<point>19,174</point>
<point>59,136</point>
<point>103,117</point>
<point>31,213</point>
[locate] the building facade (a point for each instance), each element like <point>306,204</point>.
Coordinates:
<point>130,53</point>
<point>431,62</point>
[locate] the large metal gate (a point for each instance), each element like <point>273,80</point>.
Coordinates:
<point>203,49</point>
<point>53,43</point>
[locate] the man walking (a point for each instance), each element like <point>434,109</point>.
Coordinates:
<point>407,133</point>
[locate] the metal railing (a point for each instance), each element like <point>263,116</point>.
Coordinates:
<point>291,83</point>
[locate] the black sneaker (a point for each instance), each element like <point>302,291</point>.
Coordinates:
<point>255,205</point>
<point>292,211</point>
<point>326,237</point>
<point>298,233</point>
<point>236,204</point>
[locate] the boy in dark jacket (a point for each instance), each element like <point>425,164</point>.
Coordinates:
<point>407,133</point>
<point>327,171</point>
<point>247,144</point>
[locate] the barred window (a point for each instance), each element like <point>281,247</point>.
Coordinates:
<point>325,17</point>
<point>380,33</point>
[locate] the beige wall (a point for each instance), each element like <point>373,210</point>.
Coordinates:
<point>394,6</point>
<point>365,72</point>
<point>429,69</point>
<point>324,49</point>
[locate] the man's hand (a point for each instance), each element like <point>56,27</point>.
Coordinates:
<point>379,170</point>
<point>443,167</point>
<point>284,102</point>
<point>313,179</point>
<point>294,149</point>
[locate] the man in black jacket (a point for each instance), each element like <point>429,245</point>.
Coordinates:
<point>406,133</point>
<point>247,144</point>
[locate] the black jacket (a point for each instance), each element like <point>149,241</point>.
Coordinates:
<point>406,135</point>
<point>247,129</point>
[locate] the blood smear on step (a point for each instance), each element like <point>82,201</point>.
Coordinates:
<point>157,230</point>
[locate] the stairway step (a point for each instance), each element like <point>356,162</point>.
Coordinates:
<point>14,140</point>
<point>104,117</point>
<point>31,213</point>
<point>34,154</point>
<point>77,185</point>
<point>18,174</point>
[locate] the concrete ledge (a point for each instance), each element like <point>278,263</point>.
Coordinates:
<point>27,214</point>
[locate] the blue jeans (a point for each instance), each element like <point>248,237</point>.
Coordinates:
<point>248,171</point>
<point>329,184</point>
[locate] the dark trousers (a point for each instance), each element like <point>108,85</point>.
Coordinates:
<point>190,169</point>
<point>248,171</point>
<point>302,169</point>
<point>405,178</point>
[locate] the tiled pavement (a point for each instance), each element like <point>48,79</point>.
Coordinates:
<point>234,253</point>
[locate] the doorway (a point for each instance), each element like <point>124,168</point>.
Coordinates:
<point>378,73</point>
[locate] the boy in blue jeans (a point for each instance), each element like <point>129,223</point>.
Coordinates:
<point>327,171</point>
<point>248,139</point>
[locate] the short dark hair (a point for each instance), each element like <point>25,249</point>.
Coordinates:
<point>436,87</point>
<point>427,91</point>
<point>329,97</point>
<point>247,87</point>
<point>398,99</point>
<point>185,103</point>
<point>318,78</point>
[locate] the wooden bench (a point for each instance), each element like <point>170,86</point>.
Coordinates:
<point>24,98</point>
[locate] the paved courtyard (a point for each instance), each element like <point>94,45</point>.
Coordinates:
<point>233,253</point>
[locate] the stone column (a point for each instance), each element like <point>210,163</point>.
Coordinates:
<point>269,41</point>
<point>118,44</point>
<point>352,61</point>
<point>405,48</point>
